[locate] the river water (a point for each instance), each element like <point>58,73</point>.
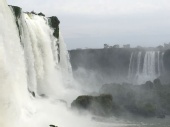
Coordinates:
<point>140,122</point>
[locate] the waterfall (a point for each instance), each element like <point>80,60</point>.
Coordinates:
<point>13,77</point>
<point>145,66</point>
<point>32,61</point>
<point>44,54</point>
<point>138,63</point>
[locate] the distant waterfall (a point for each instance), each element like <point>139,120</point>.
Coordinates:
<point>145,66</point>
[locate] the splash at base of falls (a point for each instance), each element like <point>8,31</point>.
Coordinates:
<point>35,73</point>
<point>145,66</point>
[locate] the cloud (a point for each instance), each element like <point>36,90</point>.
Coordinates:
<point>90,23</point>
<point>95,7</point>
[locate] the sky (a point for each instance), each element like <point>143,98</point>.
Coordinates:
<point>92,23</point>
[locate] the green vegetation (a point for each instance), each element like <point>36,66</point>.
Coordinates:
<point>98,105</point>
<point>148,100</point>
<point>54,23</point>
<point>151,99</point>
<point>17,11</point>
<point>56,33</point>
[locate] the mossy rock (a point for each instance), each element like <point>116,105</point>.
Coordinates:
<point>82,102</point>
<point>53,126</point>
<point>54,23</point>
<point>17,11</point>
<point>98,105</point>
<point>56,33</point>
<point>41,14</point>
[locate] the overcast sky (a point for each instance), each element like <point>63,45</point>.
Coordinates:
<point>91,23</point>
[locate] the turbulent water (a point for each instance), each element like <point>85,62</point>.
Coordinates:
<point>145,66</point>
<point>32,63</point>
<point>35,75</point>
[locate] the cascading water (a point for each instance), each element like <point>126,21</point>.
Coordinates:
<point>32,61</point>
<point>13,93</point>
<point>35,70</point>
<point>145,66</point>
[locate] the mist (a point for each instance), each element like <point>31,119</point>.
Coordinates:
<point>134,77</point>
<point>43,84</point>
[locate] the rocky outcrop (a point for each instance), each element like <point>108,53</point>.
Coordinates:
<point>166,59</point>
<point>98,105</point>
<point>165,78</point>
<point>54,23</point>
<point>41,14</point>
<point>148,100</point>
<point>17,11</point>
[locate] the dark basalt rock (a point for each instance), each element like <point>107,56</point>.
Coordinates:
<point>148,85</point>
<point>41,14</point>
<point>31,92</point>
<point>165,78</point>
<point>53,126</point>
<point>54,23</point>
<point>17,11</point>
<point>82,102</point>
<point>151,99</point>
<point>166,60</point>
<point>99,105</point>
<point>56,33</point>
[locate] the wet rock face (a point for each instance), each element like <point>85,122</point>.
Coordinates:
<point>41,14</point>
<point>98,105</point>
<point>17,11</point>
<point>53,126</point>
<point>166,60</point>
<point>54,23</point>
